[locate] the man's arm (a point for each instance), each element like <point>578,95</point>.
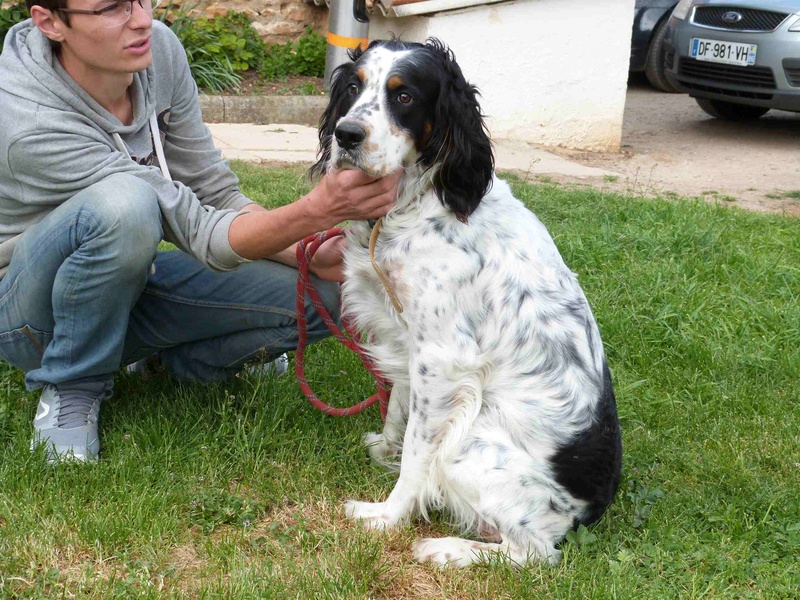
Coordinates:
<point>340,196</point>
<point>287,256</point>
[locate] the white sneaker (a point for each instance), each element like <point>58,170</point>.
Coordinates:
<point>275,368</point>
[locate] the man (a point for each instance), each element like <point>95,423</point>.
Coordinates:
<point>102,154</point>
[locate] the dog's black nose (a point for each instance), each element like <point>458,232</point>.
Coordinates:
<point>349,135</point>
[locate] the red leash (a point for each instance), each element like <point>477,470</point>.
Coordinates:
<point>305,251</point>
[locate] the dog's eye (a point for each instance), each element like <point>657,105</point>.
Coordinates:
<point>404,98</point>
<point>352,89</point>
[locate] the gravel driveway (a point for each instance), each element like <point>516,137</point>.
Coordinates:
<point>670,146</point>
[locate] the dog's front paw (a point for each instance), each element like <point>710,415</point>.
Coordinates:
<point>379,449</point>
<point>373,515</point>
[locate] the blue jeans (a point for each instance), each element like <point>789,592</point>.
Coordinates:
<point>80,297</point>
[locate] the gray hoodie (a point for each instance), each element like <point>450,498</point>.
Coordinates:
<point>55,140</point>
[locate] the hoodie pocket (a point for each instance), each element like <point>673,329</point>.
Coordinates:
<point>24,347</point>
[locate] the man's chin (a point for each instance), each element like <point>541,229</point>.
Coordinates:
<point>140,63</point>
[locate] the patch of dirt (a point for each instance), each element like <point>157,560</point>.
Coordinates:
<point>670,147</point>
<point>293,85</point>
<point>287,528</point>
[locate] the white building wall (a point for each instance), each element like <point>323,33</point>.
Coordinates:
<point>551,72</point>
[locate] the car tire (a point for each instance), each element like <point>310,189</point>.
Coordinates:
<point>730,111</point>
<point>654,65</point>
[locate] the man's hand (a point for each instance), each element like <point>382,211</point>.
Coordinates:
<point>327,262</point>
<point>340,196</point>
<point>350,194</point>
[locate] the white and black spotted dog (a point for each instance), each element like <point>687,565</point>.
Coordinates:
<point>502,410</point>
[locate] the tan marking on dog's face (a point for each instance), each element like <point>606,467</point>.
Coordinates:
<point>362,75</point>
<point>394,82</point>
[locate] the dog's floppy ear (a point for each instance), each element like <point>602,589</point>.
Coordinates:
<point>338,105</point>
<point>459,141</point>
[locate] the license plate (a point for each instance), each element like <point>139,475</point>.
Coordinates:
<point>730,53</point>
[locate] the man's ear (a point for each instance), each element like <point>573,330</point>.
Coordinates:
<point>48,23</point>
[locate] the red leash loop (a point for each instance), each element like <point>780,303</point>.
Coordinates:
<point>305,251</point>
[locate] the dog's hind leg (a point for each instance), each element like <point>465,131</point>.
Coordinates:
<point>493,485</point>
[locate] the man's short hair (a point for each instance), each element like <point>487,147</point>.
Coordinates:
<point>48,4</point>
<point>51,5</point>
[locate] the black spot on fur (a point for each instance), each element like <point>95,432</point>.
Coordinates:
<point>590,465</point>
<point>524,295</point>
<point>578,310</point>
<point>572,355</point>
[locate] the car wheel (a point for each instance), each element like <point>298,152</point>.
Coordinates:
<point>654,65</point>
<point>730,111</point>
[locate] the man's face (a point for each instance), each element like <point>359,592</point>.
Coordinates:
<point>93,47</point>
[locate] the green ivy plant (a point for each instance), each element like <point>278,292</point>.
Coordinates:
<point>10,16</point>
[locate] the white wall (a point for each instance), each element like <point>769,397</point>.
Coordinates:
<point>551,72</point>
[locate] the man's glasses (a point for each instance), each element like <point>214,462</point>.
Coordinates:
<point>114,14</point>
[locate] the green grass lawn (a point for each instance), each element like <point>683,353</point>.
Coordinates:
<point>235,491</point>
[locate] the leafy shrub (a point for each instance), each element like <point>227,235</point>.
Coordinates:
<point>304,57</point>
<point>310,57</point>
<point>219,49</point>
<point>10,16</point>
<point>230,37</point>
<point>210,68</point>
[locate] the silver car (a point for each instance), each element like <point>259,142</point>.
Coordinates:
<point>737,58</point>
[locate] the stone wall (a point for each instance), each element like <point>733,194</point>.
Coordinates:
<point>276,21</point>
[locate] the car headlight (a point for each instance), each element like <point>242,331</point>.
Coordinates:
<point>795,26</point>
<point>682,9</point>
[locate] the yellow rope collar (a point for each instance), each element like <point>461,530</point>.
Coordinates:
<point>387,283</point>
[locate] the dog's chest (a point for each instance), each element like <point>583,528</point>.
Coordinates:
<point>390,271</point>
<point>389,292</point>
<point>428,270</point>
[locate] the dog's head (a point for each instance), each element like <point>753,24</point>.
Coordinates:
<point>400,104</point>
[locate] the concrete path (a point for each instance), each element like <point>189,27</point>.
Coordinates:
<point>279,143</point>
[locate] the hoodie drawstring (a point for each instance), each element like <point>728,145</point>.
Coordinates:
<point>162,161</point>
<point>158,147</point>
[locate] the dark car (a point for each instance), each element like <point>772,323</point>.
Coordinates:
<point>649,27</point>
<point>737,58</point>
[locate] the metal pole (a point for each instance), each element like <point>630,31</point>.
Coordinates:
<point>348,28</point>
